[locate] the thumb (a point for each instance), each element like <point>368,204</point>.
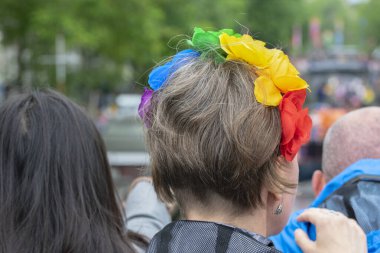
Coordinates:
<point>303,241</point>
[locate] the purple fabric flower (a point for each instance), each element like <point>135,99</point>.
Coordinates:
<point>159,75</point>
<point>144,104</point>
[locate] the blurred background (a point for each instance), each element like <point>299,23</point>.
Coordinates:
<point>99,52</point>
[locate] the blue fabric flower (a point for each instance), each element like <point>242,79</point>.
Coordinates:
<point>159,75</point>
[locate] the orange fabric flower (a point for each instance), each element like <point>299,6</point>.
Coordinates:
<point>295,122</point>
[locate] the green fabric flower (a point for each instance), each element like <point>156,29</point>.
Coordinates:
<point>208,43</point>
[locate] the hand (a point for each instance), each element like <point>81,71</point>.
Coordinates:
<point>335,233</point>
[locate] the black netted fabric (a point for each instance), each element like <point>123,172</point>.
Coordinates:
<point>207,237</point>
<point>358,199</point>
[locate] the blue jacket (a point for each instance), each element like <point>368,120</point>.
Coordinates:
<point>356,193</point>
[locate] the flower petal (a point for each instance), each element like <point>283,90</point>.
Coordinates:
<point>290,83</point>
<point>304,125</point>
<point>295,122</point>
<point>208,44</point>
<point>292,70</point>
<point>184,55</point>
<point>160,74</point>
<point>296,98</point>
<point>288,112</point>
<point>266,92</point>
<point>145,104</point>
<point>279,63</point>
<point>245,48</point>
<point>203,40</point>
<point>301,136</point>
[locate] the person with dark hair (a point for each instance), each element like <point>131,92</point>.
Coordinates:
<point>56,191</point>
<point>224,123</point>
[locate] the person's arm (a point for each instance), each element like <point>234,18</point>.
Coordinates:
<point>145,213</point>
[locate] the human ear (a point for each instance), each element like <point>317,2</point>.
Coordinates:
<point>273,201</point>
<point>275,196</point>
<point>318,182</point>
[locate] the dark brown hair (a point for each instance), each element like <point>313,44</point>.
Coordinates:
<point>208,134</point>
<point>56,191</point>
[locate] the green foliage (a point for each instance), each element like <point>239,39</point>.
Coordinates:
<point>370,22</point>
<point>272,20</point>
<point>114,35</point>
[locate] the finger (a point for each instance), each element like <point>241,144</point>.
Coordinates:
<point>332,212</point>
<point>313,215</point>
<point>303,241</point>
<point>355,227</point>
<point>355,224</point>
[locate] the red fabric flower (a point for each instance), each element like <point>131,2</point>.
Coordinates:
<point>295,122</point>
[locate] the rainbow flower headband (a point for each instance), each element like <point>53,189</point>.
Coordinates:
<point>277,84</point>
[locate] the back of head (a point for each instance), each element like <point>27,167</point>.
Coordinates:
<point>56,192</point>
<point>353,137</point>
<point>224,124</point>
<point>209,135</point>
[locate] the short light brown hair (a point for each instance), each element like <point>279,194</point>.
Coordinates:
<point>208,134</point>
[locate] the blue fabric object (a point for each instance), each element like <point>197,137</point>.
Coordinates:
<point>373,241</point>
<point>160,74</point>
<point>285,241</point>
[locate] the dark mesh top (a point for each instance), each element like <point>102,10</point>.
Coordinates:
<point>207,237</point>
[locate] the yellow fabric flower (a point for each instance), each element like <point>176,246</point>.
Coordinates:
<point>266,92</point>
<point>276,75</point>
<point>283,75</point>
<point>279,64</point>
<point>245,48</point>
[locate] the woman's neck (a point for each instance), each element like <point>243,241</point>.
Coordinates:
<point>219,211</point>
